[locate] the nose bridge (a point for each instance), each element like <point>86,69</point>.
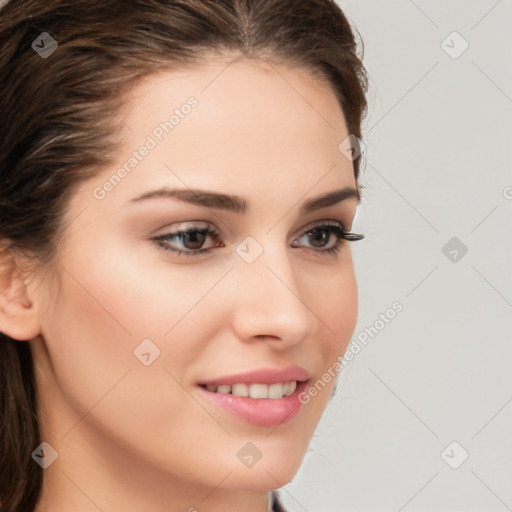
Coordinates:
<point>270,299</point>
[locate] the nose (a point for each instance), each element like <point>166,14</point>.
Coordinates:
<point>270,301</point>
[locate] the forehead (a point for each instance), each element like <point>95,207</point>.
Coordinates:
<point>235,125</point>
<point>258,96</point>
<point>234,80</point>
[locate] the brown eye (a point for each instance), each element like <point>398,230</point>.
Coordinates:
<point>190,241</point>
<point>320,237</point>
<point>326,237</point>
<point>193,239</point>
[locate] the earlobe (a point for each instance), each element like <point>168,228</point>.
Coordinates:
<point>18,313</point>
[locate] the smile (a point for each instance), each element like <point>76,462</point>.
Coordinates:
<point>273,391</point>
<point>265,397</point>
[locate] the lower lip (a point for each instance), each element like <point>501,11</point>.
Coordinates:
<point>264,412</point>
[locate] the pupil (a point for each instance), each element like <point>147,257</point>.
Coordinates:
<point>319,236</point>
<point>195,238</point>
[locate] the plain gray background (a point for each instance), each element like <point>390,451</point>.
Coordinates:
<point>438,164</point>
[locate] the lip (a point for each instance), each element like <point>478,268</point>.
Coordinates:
<point>262,376</point>
<point>263,412</point>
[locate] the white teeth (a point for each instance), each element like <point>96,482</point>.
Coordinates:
<point>290,388</point>
<point>275,391</point>
<point>240,390</point>
<point>256,390</point>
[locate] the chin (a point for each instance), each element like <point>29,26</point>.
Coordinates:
<point>274,469</point>
<point>265,478</point>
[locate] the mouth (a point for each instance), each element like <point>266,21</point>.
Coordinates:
<point>263,397</point>
<point>255,390</point>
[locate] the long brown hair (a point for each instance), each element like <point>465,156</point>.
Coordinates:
<point>59,127</point>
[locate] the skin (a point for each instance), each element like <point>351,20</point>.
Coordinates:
<point>133,437</point>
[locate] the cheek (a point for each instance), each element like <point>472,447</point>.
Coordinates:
<point>117,295</point>
<point>89,344</point>
<point>334,299</point>
<point>100,315</point>
<point>108,304</point>
<point>335,302</point>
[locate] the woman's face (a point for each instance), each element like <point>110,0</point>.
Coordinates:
<point>136,330</point>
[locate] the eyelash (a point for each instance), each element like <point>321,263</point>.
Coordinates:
<point>332,227</point>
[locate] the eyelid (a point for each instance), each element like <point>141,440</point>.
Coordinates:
<point>323,222</point>
<point>211,230</point>
<point>181,226</point>
<point>347,234</point>
<point>191,225</point>
<point>343,233</point>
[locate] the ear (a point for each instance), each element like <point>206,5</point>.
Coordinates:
<point>18,315</point>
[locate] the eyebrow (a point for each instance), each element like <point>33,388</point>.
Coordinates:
<point>240,205</point>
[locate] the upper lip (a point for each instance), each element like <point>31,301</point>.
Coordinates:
<point>262,376</point>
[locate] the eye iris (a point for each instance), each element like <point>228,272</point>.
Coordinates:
<point>195,238</point>
<point>319,235</point>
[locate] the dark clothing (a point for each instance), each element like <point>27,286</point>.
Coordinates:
<point>276,504</point>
